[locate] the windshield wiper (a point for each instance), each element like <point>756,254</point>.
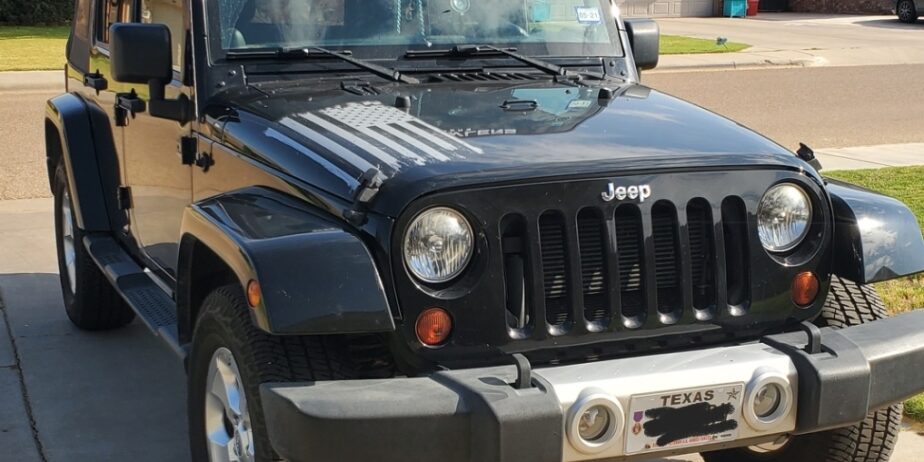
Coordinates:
<point>482,50</point>
<point>318,52</point>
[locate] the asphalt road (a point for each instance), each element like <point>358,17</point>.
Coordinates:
<point>824,107</point>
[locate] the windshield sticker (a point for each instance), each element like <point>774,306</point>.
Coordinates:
<point>542,11</point>
<point>588,15</point>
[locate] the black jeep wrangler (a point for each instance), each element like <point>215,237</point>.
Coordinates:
<point>461,230</point>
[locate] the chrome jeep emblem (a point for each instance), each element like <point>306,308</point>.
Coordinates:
<point>621,193</point>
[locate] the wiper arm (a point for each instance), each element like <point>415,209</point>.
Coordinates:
<point>318,52</point>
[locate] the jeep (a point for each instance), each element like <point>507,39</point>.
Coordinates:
<point>462,230</point>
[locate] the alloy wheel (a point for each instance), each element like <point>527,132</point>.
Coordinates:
<point>227,420</point>
<point>906,11</point>
<point>67,240</point>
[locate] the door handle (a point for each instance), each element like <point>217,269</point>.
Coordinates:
<point>127,104</point>
<point>96,81</point>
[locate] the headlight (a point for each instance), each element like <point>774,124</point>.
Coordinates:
<point>784,217</point>
<point>438,245</point>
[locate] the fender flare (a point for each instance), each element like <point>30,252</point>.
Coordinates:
<point>876,237</point>
<point>315,277</point>
<point>87,150</point>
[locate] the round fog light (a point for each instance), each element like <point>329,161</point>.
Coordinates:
<point>767,400</point>
<point>595,424</point>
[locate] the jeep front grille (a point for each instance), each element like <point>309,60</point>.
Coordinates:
<point>635,267</point>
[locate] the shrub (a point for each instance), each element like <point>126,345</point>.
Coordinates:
<point>35,12</point>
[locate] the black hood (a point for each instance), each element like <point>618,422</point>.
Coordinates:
<point>438,136</point>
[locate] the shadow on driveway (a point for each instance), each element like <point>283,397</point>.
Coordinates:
<point>95,396</point>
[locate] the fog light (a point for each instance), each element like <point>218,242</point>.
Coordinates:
<point>433,326</point>
<point>805,288</point>
<point>767,400</point>
<point>595,424</point>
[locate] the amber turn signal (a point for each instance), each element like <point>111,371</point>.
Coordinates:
<point>433,326</point>
<point>254,295</point>
<point>805,288</point>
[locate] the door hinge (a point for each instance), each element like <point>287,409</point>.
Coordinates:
<point>188,149</point>
<point>125,197</point>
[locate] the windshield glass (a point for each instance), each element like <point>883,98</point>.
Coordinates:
<point>386,28</point>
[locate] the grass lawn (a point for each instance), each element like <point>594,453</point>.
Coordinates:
<point>32,48</point>
<point>677,45</point>
<point>904,184</point>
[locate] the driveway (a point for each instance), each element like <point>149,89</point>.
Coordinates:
<point>803,40</point>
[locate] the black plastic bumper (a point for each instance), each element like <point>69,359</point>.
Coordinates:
<point>475,415</point>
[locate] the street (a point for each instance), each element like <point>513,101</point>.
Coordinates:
<point>114,396</point>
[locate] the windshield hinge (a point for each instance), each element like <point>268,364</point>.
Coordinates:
<point>124,197</point>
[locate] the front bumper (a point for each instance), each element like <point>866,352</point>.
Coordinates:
<point>834,380</point>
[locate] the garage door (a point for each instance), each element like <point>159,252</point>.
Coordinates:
<point>667,8</point>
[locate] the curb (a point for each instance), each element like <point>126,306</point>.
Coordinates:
<point>31,80</point>
<point>740,65</point>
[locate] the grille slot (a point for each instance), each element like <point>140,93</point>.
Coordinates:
<point>629,244</point>
<point>737,279</point>
<point>702,257</point>
<point>591,235</point>
<point>554,268</point>
<point>667,261</point>
<point>519,315</point>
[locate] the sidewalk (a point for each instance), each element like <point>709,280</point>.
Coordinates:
<point>866,157</point>
<point>798,40</point>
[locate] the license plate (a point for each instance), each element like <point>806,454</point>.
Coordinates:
<point>683,418</point>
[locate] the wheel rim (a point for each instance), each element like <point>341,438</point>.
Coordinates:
<point>905,11</point>
<point>67,241</point>
<point>227,421</point>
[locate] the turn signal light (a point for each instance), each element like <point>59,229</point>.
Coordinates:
<point>805,288</point>
<point>433,326</point>
<point>254,294</point>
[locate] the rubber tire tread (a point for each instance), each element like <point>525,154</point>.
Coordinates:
<point>96,305</point>
<point>224,321</point>
<point>914,18</point>
<point>873,440</point>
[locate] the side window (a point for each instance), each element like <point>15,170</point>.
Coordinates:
<point>111,12</point>
<point>169,13</point>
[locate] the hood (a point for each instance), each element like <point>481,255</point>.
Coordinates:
<point>430,137</point>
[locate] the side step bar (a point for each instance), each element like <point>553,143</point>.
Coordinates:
<point>143,295</point>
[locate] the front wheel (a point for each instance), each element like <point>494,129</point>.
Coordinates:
<point>906,11</point>
<point>848,304</point>
<point>229,360</point>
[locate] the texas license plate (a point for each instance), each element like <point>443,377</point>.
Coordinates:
<point>682,418</point>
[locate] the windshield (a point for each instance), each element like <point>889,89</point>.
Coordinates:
<point>386,28</point>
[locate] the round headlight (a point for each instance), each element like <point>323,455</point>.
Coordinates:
<point>784,217</point>
<point>438,245</point>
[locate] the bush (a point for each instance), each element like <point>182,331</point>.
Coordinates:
<point>35,12</point>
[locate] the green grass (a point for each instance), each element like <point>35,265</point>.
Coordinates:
<point>32,48</point>
<point>677,45</point>
<point>904,184</point>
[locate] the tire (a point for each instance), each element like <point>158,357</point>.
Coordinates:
<point>90,300</point>
<point>224,326</point>
<point>848,304</point>
<point>906,11</point>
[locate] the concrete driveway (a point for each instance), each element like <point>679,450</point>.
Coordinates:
<point>75,396</point>
<point>800,40</point>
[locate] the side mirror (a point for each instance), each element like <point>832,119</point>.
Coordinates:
<point>142,53</point>
<point>645,40</point>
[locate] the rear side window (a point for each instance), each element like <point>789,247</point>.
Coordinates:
<point>78,45</point>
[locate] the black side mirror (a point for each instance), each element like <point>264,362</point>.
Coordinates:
<point>645,40</point>
<point>142,53</point>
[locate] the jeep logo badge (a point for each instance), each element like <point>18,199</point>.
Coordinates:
<point>621,193</point>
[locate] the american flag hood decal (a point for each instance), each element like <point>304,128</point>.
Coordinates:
<point>373,135</point>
